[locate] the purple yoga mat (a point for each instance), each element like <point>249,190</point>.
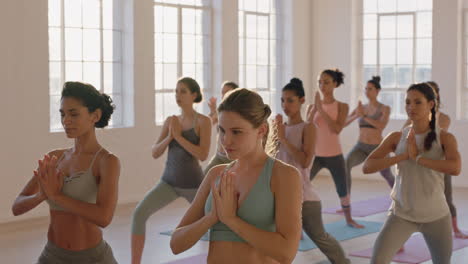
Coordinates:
<point>415,250</point>
<point>197,259</point>
<point>366,207</point>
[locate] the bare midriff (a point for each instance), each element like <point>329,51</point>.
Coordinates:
<point>72,232</point>
<point>228,252</point>
<point>371,136</point>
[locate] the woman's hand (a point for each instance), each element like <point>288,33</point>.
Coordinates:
<point>225,198</point>
<point>212,104</point>
<point>318,102</point>
<point>360,110</point>
<point>411,147</point>
<point>281,133</point>
<point>50,178</point>
<point>175,127</point>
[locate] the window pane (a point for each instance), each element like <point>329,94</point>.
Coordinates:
<point>159,108</point>
<point>91,13</point>
<point>170,76</point>
<point>158,76</point>
<point>401,111</point>
<point>108,20</point>
<point>251,51</point>
<point>424,5</point>
<point>370,26</point>
<point>262,52</point>
<point>54,44</point>
<point>73,44</point>
<point>387,26</point>
<point>266,96</point>
<point>91,45</point>
<point>241,51</point>
<point>241,76</point>
<point>189,48</point>
<point>405,51</point>
<point>388,98</point>
<point>54,11</point>
<point>262,27</point>
<point>112,78</point>
<point>158,18</point>
<point>250,5</point>
<point>262,77</point>
<point>170,104</point>
<point>170,48</point>
<point>406,5</point>
<point>188,70</point>
<point>251,26</point>
<point>92,74</point>
<point>55,84</point>
<point>273,51</point>
<point>112,45</point>
<point>405,26</point>
<point>73,71</point>
<point>423,73</point>
<point>387,52</point>
<point>251,76</point>
<point>263,6</point>
<point>170,19</point>
<point>116,118</point>
<point>369,71</point>
<point>188,20</point>
<point>199,48</point>
<point>200,76</point>
<point>387,6</point>
<point>423,51</point>
<point>370,6</point>
<point>424,25</point>
<point>72,13</point>
<point>158,47</point>
<point>369,51</point>
<point>405,75</point>
<point>388,74</point>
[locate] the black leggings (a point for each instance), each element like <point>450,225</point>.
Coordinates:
<point>336,166</point>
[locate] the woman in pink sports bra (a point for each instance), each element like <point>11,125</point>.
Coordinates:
<point>329,116</point>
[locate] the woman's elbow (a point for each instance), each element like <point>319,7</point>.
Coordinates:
<point>174,247</point>
<point>105,220</point>
<point>366,169</point>
<point>16,211</point>
<point>287,257</point>
<point>455,172</point>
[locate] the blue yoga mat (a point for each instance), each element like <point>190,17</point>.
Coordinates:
<point>340,230</point>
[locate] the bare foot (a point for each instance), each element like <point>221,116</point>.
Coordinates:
<point>353,224</point>
<point>339,211</point>
<point>460,234</point>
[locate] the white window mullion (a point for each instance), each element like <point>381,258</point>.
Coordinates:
<point>62,46</point>
<point>101,46</point>
<point>179,42</point>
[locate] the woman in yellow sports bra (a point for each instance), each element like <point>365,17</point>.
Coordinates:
<point>252,206</point>
<point>80,184</point>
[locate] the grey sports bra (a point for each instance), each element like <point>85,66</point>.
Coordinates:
<point>81,185</point>
<point>375,116</point>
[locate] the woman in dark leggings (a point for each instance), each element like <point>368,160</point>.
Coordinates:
<point>329,116</point>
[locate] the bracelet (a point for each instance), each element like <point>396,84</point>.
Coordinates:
<point>418,157</point>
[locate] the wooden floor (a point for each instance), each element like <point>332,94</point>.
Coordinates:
<point>22,242</point>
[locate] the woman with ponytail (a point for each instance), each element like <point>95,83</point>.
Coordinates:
<point>329,116</point>
<point>423,154</point>
<point>79,183</point>
<point>373,118</point>
<point>296,140</point>
<point>251,206</point>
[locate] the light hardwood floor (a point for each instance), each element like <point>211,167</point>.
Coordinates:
<point>22,242</point>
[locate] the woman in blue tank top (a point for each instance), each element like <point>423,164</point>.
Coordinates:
<point>187,138</point>
<point>423,154</point>
<point>80,183</point>
<point>252,206</point>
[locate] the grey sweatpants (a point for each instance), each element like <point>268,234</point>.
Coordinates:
<point>396,230</point>
<point>358,155</point>
<point>313,226</point>
<point>215,161</point>
<point>101,254</point>
<point>158,197</point>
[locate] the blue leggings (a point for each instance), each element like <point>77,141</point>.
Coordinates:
<point>336,166</point>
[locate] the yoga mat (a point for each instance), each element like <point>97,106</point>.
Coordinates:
<point>341,231</point>
<point>366,207</point>
<point>197,259</point>
<point>415,250</point>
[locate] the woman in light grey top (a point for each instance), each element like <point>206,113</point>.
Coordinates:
<point>423,153</point>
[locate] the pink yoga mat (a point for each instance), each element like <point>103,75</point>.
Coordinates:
<point>415,252</point>
<point>366,207</point>
<point>197,259</point>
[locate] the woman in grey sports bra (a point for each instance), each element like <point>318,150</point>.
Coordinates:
<point>423,154</point>
<point>373,118</point>
<point>80,184</point>
<point>187,138</point>
<point>252,207</point>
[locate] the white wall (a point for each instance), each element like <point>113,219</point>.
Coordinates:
<point>333,22</point>
<point>24,101</point>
